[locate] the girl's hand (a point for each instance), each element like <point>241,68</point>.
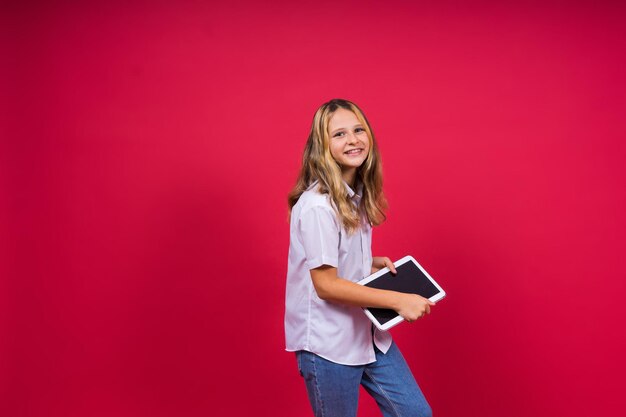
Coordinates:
<point>412,306</point>
<point>380,262</point>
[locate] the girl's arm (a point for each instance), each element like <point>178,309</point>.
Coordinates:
<point>330,287</point>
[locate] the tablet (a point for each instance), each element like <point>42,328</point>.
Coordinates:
<point>411,278</point>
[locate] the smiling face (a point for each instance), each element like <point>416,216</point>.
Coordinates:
<point>349,143</point>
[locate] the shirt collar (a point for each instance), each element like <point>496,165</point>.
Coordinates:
<point>352,193</point>
<point>313,184</point>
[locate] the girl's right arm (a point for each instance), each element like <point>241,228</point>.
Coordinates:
<point>330,287</point>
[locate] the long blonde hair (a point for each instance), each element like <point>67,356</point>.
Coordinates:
<point>318,164</point>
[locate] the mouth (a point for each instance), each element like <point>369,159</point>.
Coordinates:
<point>353,152</point>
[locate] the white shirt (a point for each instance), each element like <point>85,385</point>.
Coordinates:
<point>337,332</point>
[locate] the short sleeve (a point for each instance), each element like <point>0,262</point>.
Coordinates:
<point>320,236</point>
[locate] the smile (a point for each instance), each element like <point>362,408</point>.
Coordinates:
<point>354,152</point>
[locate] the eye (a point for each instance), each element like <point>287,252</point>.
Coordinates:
<point>337,134</point>
<point>359,129</point>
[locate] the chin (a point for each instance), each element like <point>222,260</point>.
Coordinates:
<point>352,164</point>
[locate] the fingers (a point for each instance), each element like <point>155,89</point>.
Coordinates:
<point>429,305</point>
<point>416,307</point>
<point>379,262</point>
<point>412,320</point>
<point>390,265</point>
<point>426,310</point>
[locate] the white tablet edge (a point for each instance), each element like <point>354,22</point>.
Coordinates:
<point>388,325</point>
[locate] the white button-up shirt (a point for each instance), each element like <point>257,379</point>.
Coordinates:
<point>337,332</point>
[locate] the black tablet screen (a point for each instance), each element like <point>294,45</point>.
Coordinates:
<point>409,279</point>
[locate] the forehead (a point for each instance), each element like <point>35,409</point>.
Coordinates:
<point>342,118</point>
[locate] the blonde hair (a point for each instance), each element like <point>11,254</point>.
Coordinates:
<point>318,164</point>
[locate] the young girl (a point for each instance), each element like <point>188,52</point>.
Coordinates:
<point>336,201</point>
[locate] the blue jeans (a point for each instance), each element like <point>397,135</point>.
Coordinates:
<point>333,388</point>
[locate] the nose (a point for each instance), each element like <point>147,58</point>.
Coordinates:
<point>352,137</point>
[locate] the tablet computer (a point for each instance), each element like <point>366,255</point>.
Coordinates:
<point>411,278</point>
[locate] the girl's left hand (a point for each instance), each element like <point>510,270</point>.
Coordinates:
<point>380,262</point>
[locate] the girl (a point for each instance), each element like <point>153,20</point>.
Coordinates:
<point>337,199</point>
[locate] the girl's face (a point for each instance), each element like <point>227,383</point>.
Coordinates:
<point>349,143</point>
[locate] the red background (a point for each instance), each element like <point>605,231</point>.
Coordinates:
<point>147,151</point>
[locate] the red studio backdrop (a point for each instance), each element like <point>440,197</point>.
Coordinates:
<point>147,151</point>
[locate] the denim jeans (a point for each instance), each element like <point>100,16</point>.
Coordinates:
<point>333,389</point>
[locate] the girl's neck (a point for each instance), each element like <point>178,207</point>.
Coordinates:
<point>349,176</point>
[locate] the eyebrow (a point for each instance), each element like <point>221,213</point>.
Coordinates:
<point>342,128</point>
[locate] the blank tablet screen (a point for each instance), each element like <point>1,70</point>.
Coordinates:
<point>409,279</point>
